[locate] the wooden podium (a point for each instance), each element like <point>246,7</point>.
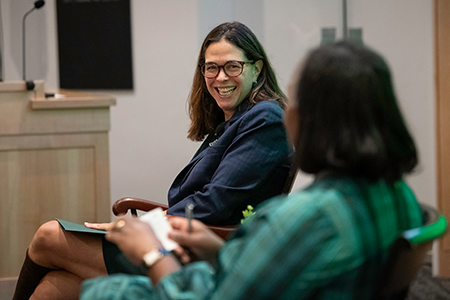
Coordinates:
<point>54,163</point>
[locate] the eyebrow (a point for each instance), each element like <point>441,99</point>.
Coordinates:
<point>213,62</point>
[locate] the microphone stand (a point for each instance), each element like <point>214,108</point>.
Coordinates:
<point>23,41</point>
<point>1,44</point>
<point>38,4</point>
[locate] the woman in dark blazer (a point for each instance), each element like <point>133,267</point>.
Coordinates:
<point>236,107</point>
<point>236,102</point>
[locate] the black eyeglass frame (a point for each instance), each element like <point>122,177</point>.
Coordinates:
<point>242,63</point>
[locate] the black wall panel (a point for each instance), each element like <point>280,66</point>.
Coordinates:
<point>94,42</point>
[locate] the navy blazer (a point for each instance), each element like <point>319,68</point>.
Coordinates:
<point>246,165</point>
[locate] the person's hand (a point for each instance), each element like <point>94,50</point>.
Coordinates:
<point>201,242</point>
<point>135,238</point>
<point>98,226</point>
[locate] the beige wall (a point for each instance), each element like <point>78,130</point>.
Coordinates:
<point>147,141</point>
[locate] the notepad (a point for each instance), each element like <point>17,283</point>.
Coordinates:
<point>160,226</point>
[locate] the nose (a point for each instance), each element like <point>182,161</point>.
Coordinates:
<point>222,76</point>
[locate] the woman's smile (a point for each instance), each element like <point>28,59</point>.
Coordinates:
<point>228,91</point>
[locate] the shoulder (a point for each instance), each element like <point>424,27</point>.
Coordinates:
<point>321,215</point>
<point>303,207</point>
<point>263,113</point>
<point>319,195</point>
<point>267,107</point>
<point>314,201</point>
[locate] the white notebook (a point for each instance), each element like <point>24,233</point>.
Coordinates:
<point>160,226</point>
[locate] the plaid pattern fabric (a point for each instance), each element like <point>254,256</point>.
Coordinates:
<point>327,241</point>
<point>246,165</point>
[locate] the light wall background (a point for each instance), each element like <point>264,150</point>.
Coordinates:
<point>148,144</point>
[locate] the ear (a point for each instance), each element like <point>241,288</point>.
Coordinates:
<point>291,120</point>
<point>258,68</point>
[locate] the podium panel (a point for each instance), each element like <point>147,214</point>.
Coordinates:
<point>54,163</point>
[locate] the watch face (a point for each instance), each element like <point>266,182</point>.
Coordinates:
<point>151,257</point>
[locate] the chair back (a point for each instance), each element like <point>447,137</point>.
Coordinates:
<point>407,255</point>
<point>290,178</point>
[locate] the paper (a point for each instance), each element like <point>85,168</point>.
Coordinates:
<point>59,96</point>
<point>160,226</point>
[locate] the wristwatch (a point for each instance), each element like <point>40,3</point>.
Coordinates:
<point>152,256</point>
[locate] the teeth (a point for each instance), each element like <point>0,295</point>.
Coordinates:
<point>226,91</point>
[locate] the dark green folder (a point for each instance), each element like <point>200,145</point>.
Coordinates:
<point>69,226</point>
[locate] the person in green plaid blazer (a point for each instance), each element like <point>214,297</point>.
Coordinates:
<point>326,241</point>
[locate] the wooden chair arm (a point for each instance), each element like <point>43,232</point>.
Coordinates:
<point>122,206</point>
<point>223,231</point>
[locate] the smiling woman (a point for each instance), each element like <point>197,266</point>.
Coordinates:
<point>229,88</point>
<point>216,84</point>
<point>236,102</point>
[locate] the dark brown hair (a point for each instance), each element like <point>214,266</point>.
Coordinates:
<point>349,119</point>
<point>204,112</point>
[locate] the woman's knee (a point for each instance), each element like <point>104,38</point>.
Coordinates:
<point>46,238</point>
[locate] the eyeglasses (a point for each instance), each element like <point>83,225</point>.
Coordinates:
<point>232,68</point>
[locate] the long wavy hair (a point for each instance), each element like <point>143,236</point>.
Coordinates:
<point>204,112</point>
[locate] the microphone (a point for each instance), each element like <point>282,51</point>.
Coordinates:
<point>37,4</point>
<point>220,129</point>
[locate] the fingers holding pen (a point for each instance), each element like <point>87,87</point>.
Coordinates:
<point>186,232</point>
<point>180,224</point>
<point>202,242</point>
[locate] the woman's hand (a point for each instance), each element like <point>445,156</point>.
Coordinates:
<point>135,238</point>
<point>201,242</point>
<point>98,226</point>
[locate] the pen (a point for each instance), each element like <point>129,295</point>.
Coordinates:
<point>189,212</point>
